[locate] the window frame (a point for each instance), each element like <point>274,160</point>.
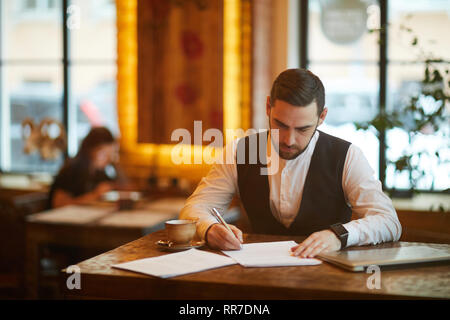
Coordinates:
<point>66,63</point>
<point>383,64</point>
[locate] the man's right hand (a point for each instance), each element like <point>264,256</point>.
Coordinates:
<point>218,237</point>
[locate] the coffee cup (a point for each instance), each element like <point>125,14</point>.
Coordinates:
<point>181,231</point>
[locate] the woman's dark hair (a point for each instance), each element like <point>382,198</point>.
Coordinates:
<point>298,87</point>
<point>96,137</point>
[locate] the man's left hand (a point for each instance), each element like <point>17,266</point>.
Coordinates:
<point>321,241</point>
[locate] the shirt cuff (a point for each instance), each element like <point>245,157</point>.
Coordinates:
<point>353,234</point>
<point>202,228</point>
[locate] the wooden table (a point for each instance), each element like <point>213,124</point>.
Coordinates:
<point>104,232</point>
<point>99,280</point>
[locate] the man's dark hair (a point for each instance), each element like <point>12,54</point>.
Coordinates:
<point>298,87</point>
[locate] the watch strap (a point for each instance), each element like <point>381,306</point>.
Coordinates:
<point>342,233</point>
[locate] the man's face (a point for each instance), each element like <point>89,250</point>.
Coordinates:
<point>296,125</point>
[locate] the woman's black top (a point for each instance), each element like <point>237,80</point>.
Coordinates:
<point>75,179</point>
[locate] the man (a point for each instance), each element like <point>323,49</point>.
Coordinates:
<point>321,180</point>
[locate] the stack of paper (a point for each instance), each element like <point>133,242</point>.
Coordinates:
<point>175,264</point>
<point>269,254</point>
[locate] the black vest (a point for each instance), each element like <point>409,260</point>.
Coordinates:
<point>323,202</point>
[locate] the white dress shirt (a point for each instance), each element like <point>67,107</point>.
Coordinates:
<point>376,220</point>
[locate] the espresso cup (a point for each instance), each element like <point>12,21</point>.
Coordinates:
<point>181,231</point>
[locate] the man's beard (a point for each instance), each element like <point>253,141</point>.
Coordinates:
<point>290,152</point>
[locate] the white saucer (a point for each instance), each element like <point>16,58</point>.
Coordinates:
<point>168,245</point>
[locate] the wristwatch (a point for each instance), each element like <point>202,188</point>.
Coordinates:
<point>341,233</point>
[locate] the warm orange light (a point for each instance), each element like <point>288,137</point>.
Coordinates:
<point>159,156</point>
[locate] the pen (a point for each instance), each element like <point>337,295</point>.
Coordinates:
<point>219,218</point>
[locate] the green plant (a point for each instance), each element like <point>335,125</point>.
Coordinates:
<point>424,112</point>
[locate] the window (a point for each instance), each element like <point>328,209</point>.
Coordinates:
<point>93,70</point>
<point>427,21</point>
<point>33,69</point>
<point>29,5</point>
<point>336,45</point>
<point>345,57</point>
<point>36,9</point>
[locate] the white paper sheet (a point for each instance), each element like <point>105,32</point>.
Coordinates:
<point>175,264</point>
<point>269,254</point>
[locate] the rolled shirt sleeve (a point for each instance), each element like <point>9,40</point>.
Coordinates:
<point>377,219</point>
<point>215,190</point>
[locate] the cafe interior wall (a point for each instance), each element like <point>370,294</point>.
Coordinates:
<point>245,58</point>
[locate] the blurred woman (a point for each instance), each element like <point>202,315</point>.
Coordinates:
<point>91,173</point>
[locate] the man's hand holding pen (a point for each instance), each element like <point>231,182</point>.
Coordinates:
<point>222,235</point>
<point>218,237</point>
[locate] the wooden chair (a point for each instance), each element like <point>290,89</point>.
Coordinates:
<point>14,207</point>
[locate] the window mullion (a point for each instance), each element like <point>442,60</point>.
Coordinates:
<point>303,50</point>
<point>66,73</point>
<point>383,87</point>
